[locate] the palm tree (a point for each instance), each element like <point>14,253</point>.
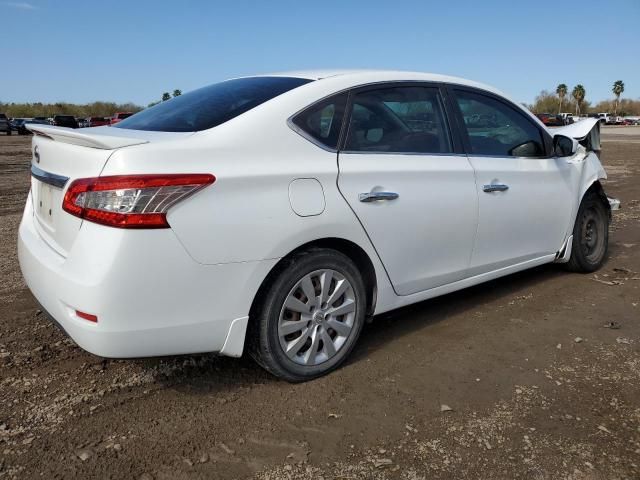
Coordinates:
<point>578,94</point>
<point>618,88</point>
<point>561,90</point>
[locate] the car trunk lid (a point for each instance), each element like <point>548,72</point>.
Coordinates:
<point>62,155</point>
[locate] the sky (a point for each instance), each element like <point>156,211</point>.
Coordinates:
<point>81,51</point>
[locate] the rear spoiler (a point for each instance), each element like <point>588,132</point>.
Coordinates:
<point>79,137</point>
<point>586,131</point>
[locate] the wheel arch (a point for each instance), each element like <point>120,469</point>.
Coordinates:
<point>592,172</point>
<point>596,188</point>
<point>593,185</point>
<point>346,247</point>
<point>574,258</point>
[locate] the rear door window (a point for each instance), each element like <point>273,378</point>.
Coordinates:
<point>210,106</point>
<point>398,120</point>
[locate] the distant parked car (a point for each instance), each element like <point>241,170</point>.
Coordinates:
<point>119,116</point>
<point>14,122</point>
<point>65,121</point>
<point>604,117</point>
<point>98,121</point>
<point>5,125</point>
<point>551,120</point>
<point>568,118</point>
<point>83,122</point>
<point>17,125</point>
<point>22,123</point>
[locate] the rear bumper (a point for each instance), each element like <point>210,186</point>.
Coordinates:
<point>151,298</point>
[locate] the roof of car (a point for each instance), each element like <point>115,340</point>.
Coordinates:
<point>371,76</point>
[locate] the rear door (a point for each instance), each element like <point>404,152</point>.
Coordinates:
<point>405,177</point>
<point>525,193</point>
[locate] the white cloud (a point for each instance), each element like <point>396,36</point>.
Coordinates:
<point>20,5</point>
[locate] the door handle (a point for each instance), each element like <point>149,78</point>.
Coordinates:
<point>375,196</point>
<point>495,187</point>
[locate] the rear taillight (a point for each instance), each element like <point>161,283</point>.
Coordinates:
<point>131,201</point>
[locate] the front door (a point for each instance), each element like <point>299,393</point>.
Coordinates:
<point>525,194</point>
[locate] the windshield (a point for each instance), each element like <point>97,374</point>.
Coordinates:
<point>210,106</point>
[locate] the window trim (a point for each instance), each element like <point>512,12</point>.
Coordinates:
<point>547,140</point>
<point>456,145</point>
<point>304,134</point>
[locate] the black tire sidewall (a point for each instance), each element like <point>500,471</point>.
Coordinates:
<point>272,356</point>
<point>579,260</point>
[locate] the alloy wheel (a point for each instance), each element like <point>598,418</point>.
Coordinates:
<point>317,317</point>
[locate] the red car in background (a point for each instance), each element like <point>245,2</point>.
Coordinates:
<point>98,121</point>
<point>551,120</point>
<point>119,116</point>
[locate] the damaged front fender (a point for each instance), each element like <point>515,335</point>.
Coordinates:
<point>586,166</point>
<point>586,132</point>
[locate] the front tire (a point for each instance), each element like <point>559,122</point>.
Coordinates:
<point>310,317</point>
<point>590,236</point>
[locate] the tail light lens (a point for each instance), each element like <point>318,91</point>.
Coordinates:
<point>131,201</point>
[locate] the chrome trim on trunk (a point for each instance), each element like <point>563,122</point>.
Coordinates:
<point>48,178</point>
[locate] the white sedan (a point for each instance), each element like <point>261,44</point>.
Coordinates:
<point>275,213</point>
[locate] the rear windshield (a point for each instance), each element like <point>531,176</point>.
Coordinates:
<point>210,106</point>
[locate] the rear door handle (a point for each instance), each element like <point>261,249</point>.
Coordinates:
<point>375,196</point>
<point>495,187</point>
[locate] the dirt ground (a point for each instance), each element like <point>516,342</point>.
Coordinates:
<point>515,379</point>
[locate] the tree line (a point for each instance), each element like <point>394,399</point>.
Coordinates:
<point>93,109</point>
<point>546,102</point>
<point>575,101</point>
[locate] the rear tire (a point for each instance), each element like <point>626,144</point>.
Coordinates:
<point>310,317</point>
<point>590,236</point>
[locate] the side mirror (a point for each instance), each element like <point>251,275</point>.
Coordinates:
<point>564,146</point>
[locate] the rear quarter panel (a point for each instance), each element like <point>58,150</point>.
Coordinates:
<point>246,215</point>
